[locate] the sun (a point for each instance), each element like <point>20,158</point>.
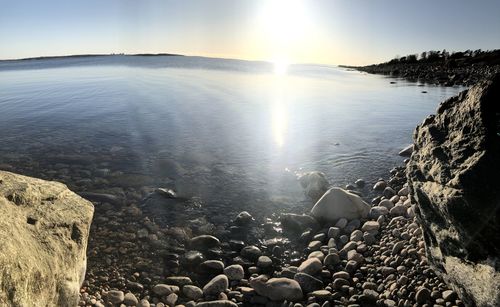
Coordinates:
<point>280,66</point>
<point>283,24</point>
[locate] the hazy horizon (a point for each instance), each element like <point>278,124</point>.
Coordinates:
<point>293,31</point>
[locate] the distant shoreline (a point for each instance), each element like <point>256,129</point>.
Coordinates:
<point>443,68</point>
<point>89,56</point>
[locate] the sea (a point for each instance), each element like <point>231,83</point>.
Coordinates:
<point>231,134</point>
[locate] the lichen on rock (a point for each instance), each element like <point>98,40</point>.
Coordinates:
<point>44,229</point>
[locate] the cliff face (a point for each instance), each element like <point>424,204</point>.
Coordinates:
<point>454,177</point>
<point>44,229</point>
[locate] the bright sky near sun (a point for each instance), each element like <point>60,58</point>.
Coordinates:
<point>282,31</point>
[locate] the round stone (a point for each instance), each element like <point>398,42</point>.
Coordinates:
<point>264,262</point>
<point>423,295</point>
<point>234,272</point>
<point>192,292</point>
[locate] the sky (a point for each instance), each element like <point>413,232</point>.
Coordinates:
<point>355,32</point>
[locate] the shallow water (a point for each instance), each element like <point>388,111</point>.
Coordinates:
<point>230,132</point>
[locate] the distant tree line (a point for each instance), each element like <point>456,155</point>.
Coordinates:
<point>433,56</point>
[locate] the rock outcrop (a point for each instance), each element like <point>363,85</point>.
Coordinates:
<point>44,229</point>
<point>454,177</point>
<point>338,203</point>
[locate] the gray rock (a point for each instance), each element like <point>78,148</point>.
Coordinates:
<point>278,289</point>
<point>380,185</point>
<point>398,247</point>
<point>314,184</point>
<point>251,252</point>
<point>333,232</point>
<point>341,223</point>
<point>377,211</point>
<point>264,262</point>
<point>192,292</point>
<point>398,210</point>
<point>234,272</point>
<point>311,266</point>
<point>370,226</point>
<point>130,300</point>
<point>115,296</point>
<point>331,260</point>
<point>204,242</point>
<point>179,281</point>
<point>453,176</point>
<point>386,203</point>
<point>243,219</point>
<point>217,285</point>
<point>218,303</point>
<point>44,229</point>
<point>308,283</point>
<point>211,267</point>
<point>423,295</point>
<point>163,289</point>
<point>360,183</point>
<point>298,223</point>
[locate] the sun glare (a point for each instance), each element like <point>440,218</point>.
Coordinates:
<point>280,67</point>
<point>283,24</point>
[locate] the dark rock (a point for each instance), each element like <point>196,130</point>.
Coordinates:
<point>453,175</point>
<point>298,223</point>
<point>308,283</point>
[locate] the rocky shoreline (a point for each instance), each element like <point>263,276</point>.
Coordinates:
<point>445,70</point>
<point>394,249</point>
<point>377,261</point>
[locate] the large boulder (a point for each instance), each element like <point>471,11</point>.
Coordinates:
<point>44,228</point>
<point>454,177</point>
<point>314,184</point>
<point>338,203</point>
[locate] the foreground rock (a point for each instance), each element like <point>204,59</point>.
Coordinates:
<point>338,203</point>
<point>453,175</point>
<point>44,229</point>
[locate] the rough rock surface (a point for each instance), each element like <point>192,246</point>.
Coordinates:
<point>338,203</point>
<point>454,176</point>
<point>44,229</point>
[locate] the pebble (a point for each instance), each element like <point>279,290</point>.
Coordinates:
<point>115,297</point>
<point>192,292</point>
<point>341,223</point>
<point>234,272</point>
<point>360,183</point>
<point>143,303</point>
<point>130,300</point>
<point>423,295</point>
<point>251,252</point>
<point>264,262</point>
<point>217,285</point>
<point>204,242</point>
<point>380,185</point>
<point>331,260</point>
<point>311,266</point>
<point>398,247</point>
<point>370,226</point>
<point>163,289</point>
<point>308,283</point>
<point>333,232</point>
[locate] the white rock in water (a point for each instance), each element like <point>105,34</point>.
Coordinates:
<point>314,184</point>
<point>44,229</point>
<point>337,203</point>
<point>407,151</point>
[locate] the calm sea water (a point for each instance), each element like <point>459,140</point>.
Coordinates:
<point>231,132</point>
